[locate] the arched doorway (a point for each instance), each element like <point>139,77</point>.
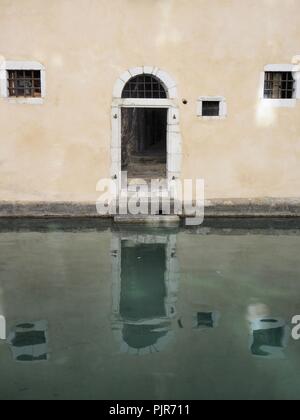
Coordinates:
<point>146,139</point>
<point>144,130</point>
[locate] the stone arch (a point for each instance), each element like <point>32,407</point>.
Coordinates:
<point>167,81</point>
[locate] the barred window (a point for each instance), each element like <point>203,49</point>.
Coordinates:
<point>144,86</point>
<point>279,85</point>
<point>210,108</point>
<point>24,83</point>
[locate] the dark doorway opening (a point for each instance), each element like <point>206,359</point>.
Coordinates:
<point>144,142</point>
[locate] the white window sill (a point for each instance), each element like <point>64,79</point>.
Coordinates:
<point>25,101</point>
<point>280,103</point>
<point>213,118</point>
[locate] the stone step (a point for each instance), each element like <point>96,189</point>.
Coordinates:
<point>148,219</point>
<point>146,177</point>
<point>139,181</point>
<point>148,159</point>
<point>136,187</point>
<point>144,170</point>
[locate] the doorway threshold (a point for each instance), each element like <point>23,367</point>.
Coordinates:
<point>134,183</point>
<point>148,219</point>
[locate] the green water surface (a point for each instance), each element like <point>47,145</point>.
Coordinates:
<point>95,311</point>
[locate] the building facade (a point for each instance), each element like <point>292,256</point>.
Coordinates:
<point>176,88</point>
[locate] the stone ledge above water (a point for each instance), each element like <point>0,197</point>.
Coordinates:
<point>262,207</point>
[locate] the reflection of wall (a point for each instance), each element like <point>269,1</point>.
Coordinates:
<point>2,328</point>
<point>142,313</point>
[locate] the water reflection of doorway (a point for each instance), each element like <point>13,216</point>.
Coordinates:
<point>144,291</point>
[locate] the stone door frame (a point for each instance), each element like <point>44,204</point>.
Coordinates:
<point>174,143</point>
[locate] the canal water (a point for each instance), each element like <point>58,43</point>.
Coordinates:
<point>91,310</point>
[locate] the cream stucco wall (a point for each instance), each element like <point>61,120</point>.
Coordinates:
<point>59,150</point>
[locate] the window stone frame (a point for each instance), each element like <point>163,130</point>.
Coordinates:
<point>222,111</point>
<point>5,66</point>
<point>280,103</point>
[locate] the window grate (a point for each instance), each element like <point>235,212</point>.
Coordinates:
<point>25,83</point>
<point>144,86</point>
<point>210,108</point>
<point>279,85</point>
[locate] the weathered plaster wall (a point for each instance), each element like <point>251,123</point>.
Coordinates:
<point>59,150</point>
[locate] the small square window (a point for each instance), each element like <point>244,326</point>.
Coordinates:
<point>279,85</point>
<point>24,83</point>
<point>210,108</point>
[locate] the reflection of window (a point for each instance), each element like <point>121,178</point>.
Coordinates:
<point>269,338</point>
<point>29,342</point>
<point>279,85</point>
<point>207,320</point>
<point>26,83</point>
<point>144,86</point>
